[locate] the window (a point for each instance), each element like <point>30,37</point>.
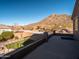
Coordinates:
<point>76,24</point>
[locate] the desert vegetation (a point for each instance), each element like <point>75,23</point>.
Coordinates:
<point>6,36</point>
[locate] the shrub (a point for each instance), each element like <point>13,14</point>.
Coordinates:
<point>1,38</point>
<point>6,35</point>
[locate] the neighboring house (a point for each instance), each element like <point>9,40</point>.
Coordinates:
<point>63,31</point>
<point>2,29</point>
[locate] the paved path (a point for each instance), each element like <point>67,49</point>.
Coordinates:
<point>56,48</point>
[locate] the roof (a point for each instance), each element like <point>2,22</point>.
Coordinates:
<point>4,27</point>
<point>76,9</point>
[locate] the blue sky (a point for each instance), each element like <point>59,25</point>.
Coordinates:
<point>30,11</point>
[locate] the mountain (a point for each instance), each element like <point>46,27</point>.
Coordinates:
<point>52,22</point>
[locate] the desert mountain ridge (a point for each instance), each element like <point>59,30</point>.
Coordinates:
<point>52,22</point>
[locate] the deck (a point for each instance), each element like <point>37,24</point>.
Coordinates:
<point>56,48</point>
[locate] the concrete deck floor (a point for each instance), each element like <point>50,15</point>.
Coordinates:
<point>56,48</point>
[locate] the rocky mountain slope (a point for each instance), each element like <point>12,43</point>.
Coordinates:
<point>52,22</point>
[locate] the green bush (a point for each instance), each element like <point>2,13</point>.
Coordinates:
<point>19,44</point>
<point>15,45</point>
<point>6,35</point>
<point>1,38</point>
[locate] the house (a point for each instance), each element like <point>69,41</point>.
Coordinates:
<point>4,28</point>
<point>75,18</point>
